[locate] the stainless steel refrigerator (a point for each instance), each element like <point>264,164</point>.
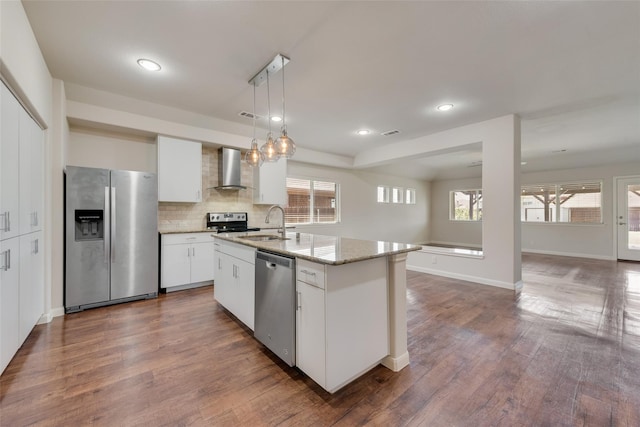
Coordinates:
<point>111,237</point>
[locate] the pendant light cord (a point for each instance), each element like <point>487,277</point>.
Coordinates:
<point>254,111</point>
<point>284,124</point>
<point>268,102</point>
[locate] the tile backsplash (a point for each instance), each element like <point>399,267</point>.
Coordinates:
<point>191,216</point>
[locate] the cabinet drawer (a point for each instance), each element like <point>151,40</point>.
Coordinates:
<point>310,272</point>
<point>182,238</point>
<point>245,253</point>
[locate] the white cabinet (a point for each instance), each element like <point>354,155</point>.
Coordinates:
<point>234,287</point>
<point>9,300</point>
<point>21,218</point>
<point>31,282</point>
<point>31,175</point>
<point>270,183</point>
<point>342,327</point>
<point>187,258</point>
<point>179,170</point>
<point>10,171</point>
<point>310,332</point>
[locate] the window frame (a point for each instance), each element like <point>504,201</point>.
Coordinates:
<point>311,180</point>
<point>557,211</point>
<point>452,207</point>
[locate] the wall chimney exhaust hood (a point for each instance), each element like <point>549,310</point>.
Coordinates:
<point>229,169</point>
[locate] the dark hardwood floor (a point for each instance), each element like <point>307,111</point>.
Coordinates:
<point>566,351</point>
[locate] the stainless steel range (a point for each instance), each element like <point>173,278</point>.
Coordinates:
<point>228,222</point>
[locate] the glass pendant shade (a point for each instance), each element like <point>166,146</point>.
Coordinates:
<point>254,157</point>
<point>269,150</point>
<point>285,147</point>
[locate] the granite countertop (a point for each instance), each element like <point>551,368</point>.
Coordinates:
<point>199,230</point>
<point>323,249</point>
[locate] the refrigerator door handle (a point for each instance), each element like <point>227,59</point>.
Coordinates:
<point>106,224</point>
<point>113,224</point>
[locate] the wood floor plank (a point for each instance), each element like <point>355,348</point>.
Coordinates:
<point>565,351</point>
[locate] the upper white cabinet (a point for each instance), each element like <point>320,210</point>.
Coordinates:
<point>10,172</point>
<point>186,258</point>
<point>270,183</point>
<point>179,170</point>
<point>31,174</point>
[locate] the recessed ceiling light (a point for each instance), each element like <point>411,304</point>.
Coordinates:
<point>523,163</point>
<point>148,64</point>
<point>276,118</point>
<point>364,132</point>
<point>445,107</point>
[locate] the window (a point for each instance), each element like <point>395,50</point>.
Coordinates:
<point>396,195</point>
<point>311,201</point>
<point>410,196</point>
<point>383,194</point>
<point>567,202</point>
<point>465,205</point>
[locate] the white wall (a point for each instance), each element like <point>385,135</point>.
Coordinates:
<point>24,70</point>
<point>500,264</point>
<point>443,230</point>
<point>581,240</point>
<point>21,63</point>
<point>361,216</point>
<point>109,150</point>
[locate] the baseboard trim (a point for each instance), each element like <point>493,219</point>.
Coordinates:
<point>570,254</point>
<point>396,363</point>
<point>474,279</point>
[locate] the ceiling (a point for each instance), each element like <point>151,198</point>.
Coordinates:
<point>571,70</point>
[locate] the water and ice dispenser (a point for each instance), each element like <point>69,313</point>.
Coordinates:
<point>89,224</point>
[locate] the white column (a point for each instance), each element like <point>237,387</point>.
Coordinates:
<point>398,356</point>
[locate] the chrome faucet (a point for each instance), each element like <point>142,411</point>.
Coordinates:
<point>266,220</point>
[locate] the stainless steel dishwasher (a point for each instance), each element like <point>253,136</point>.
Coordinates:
<point>275,305</point>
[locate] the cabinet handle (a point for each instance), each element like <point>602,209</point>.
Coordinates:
<point>193,251</point>
<point>7,260</point>
<point>298,303</point>
<point>310,273</point>
<point>219,266</point>
<point>36,215</point>
<point>36,246</point>
<point>188,252</point>
<point>6,221</point>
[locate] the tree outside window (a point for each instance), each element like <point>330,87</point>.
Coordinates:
<point>465,205</point>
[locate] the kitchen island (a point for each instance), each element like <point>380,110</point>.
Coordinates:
<point>351,301</point>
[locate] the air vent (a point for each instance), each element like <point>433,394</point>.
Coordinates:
<point>390,132</point>
<point>249,115</point>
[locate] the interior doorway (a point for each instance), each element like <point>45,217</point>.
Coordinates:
<point>627,220</point>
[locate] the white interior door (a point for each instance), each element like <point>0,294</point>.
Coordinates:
<point>628,218</point>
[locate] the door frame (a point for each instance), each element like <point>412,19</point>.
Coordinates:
<point>614,217</point>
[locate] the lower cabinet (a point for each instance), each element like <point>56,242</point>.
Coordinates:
<point>342,320</point>
<point>31,282</point>
<point>21,291</point>
<point>9,300</point>
<point>234,287</point>
<point>187,258</point>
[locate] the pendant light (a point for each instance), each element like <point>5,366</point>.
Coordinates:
<point>254,156</point>
<point>269,148</point>
<point>285,146</point>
